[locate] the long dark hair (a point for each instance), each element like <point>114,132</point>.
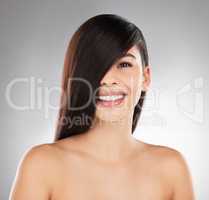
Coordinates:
<point>92,50</point>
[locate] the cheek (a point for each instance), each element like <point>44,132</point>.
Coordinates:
<point>135,86</point>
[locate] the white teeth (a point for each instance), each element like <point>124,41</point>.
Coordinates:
<point>110,98</point>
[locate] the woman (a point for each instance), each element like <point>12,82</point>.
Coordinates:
<point>94,155</point>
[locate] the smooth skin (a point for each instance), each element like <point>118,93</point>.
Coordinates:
<point>107,162</point>
<point>62,172</point>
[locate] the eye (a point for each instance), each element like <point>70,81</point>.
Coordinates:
<point>125,64</point>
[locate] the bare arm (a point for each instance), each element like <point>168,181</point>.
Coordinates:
<point>32,182</point>
<point>181,178</point>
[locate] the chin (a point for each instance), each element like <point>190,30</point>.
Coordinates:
<point>111,116</point>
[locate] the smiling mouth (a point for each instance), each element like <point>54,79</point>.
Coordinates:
<point>110,96</point>
<point>110,100</point>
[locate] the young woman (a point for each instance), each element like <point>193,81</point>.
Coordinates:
<point>94,155</point>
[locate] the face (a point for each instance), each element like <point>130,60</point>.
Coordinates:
<point>121,87</point>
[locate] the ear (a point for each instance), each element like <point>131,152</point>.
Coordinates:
<point>146,78</point>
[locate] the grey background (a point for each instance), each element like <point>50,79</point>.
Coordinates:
<point>33,39</point>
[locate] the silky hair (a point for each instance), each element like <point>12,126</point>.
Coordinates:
<point>96,45</point>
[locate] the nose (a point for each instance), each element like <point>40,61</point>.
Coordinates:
<point>110,78</point>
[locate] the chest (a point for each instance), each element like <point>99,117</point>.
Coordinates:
<point>91,182</point>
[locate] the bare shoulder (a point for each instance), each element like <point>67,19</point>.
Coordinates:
<point>48,152</point>
<point>169,158</point>
<point>41,153</point>
<point>38,150</point>
<point>46,156</point>
<point>164,154</point>
<point>38,159</point>
<point>175,168</point>
<point>33,176</point>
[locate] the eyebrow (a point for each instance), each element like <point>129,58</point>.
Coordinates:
<point>129,55</point>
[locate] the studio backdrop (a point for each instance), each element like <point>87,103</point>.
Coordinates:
<point>33,40</point>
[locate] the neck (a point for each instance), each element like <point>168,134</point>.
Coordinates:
<point>111,141</point>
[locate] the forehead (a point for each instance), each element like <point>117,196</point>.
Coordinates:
<point>134,51</point>
<point>134,54</point>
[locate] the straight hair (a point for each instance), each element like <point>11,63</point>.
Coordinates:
<point>92,50</point>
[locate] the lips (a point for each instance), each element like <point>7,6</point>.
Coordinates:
<point>109,92</point>
<point>110,104</point>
